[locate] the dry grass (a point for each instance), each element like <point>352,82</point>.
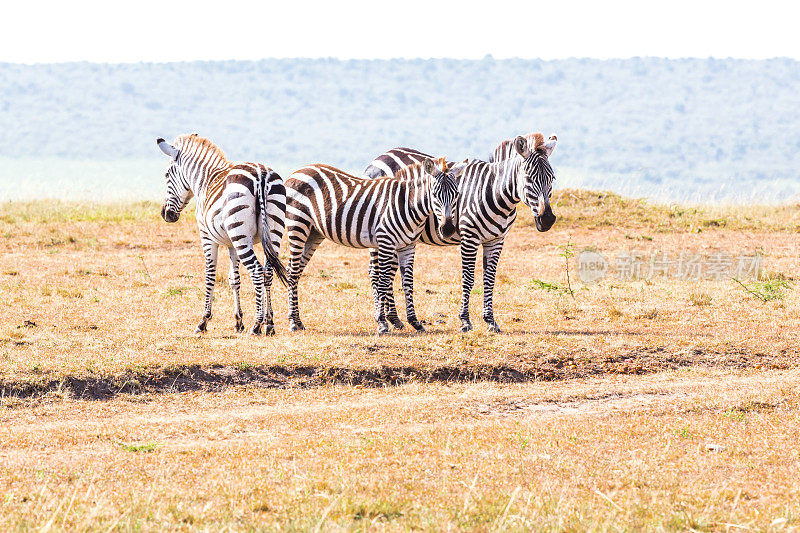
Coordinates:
<point>701,450</point>
<point>675,402</point>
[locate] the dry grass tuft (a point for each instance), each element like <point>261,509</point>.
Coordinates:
<point>700,299</point>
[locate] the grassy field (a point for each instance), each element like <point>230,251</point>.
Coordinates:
<point>649,404</point>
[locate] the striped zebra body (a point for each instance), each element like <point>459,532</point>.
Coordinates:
<point>487,207</point>
<point>391,162</point>
<point>386,214</point>
<point>237,205</point>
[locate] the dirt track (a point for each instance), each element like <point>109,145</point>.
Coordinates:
<point>219,377</point>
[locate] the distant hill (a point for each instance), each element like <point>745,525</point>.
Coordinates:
<point>692,127</point>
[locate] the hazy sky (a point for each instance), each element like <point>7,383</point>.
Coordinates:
<point>51,31</point>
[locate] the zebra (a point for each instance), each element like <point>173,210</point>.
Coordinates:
<point>386,213</point>
<point>236,205</point>
<point>488,195</point>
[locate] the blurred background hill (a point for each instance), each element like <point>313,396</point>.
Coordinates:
<point>694,130</point>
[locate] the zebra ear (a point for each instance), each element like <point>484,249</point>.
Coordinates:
<point>550,145</point>
<point>521,146</point>
<point>427,166</point>
<point>167,148</point>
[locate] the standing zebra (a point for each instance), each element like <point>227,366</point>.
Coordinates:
<point>236,205</point>
<point>488,196</point>
<point>386,213</point>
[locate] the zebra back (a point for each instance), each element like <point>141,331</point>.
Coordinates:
<point>390,162</point>
<point>347,209</point>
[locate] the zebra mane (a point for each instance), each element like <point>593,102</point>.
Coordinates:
<point>535,142</point>
<point>538,141</point>
<point>199,146</point>
<point>408,171</point>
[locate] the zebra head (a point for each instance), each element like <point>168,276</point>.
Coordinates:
<point>178,191</point>
<point>444,193</point>
<point>537,176</point>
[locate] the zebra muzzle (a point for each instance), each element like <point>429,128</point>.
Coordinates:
<point>545,220</point>
<point>448,228</point>
<point>169,215</point>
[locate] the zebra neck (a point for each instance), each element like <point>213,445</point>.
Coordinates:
<point>507,172</point>
<point>203,176</point>
<point>419,200</point>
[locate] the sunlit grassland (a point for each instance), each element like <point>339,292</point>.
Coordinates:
<point>650,404</point>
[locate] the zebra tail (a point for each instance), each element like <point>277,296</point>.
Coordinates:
<point>271,254</point>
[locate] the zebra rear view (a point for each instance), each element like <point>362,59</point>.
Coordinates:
<point>237,204</point>
<point>387,213</point>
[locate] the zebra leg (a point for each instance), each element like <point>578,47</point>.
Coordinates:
<point>210,249</point>
<point>247,255</point>
<point>491,255</point>
<point>391,314</point>
<point>301,247</point>
<point>235,282</point>
<point>469,249</point>
<point>387,257</point>
<point>406,259</point>
<point>269,322</point>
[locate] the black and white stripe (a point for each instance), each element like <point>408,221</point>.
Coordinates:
<point>391,162</point>
<point>237,204</point>
<point>385,213</point>
<point>506,150</point>
<point>487,207</point>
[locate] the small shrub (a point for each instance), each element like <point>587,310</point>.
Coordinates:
<point>344,285</point>
<point>766,291</point>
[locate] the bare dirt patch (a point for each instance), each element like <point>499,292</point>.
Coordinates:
<point>219,377</point>
<point>586,406</point>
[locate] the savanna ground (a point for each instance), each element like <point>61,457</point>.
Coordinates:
<point>649,404</point>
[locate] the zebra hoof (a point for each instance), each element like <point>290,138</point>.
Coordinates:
<point>201,328</point>
<point>494,328</point>
<point>396,323</point>
<point>466,327</point>
<point>383,329</point>
<point>269,330</point>
<point>418,326</point>
<point>239,327</point>
<point>256,330</point>
<point>296,325</point>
